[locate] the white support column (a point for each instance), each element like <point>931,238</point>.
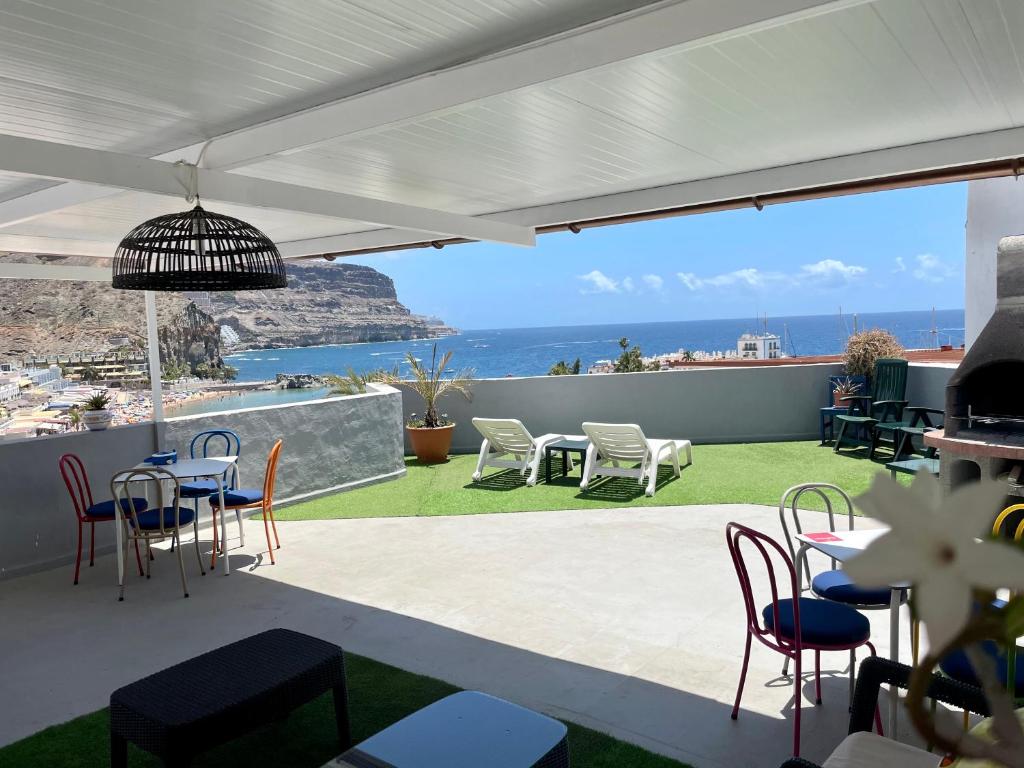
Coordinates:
<point>154,357</point>
<point>995,209</point>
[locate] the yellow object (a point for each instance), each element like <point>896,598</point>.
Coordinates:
<point>998,524</point>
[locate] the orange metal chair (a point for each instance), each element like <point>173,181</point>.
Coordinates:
<point>251,498</point>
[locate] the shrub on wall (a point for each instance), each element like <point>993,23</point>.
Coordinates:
<point>864,348</point>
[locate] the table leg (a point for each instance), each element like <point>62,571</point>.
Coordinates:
<point>547,466</point>
<point>119,533</point>
<point>565,463</point>
<point>224,529</point>
<point>895,600</point>
<point>801,557</point>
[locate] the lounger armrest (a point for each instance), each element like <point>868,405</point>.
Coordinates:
<point>856,397</point>
<point>875,672</point>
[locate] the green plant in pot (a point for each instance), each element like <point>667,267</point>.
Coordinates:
<point>431,435</point>
<point>95,414</point>
<point>844,387</point>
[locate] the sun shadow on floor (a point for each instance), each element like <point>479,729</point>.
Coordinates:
<point>511,479</point>
<point>622,490</point>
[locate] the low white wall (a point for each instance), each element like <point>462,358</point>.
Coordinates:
<point>329,445</point>
<point>704,405</point>
<point>37,520</point>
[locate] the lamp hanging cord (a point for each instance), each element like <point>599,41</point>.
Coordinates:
<point>191,184</point>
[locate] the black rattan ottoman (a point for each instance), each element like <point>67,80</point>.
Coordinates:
<point>193,706</point>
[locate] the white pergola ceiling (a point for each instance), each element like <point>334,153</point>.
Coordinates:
<point>524,112</point>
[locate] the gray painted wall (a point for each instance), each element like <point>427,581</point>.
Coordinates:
<point>926,384</point>
<point>330,445</point>
<point>704,405</point>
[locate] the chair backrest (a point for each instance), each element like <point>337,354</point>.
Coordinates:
<point>73,471</point>
<point>1010,522</point>
<point>858,379</point>
<point>220,438</point>
<point>889,381</point>
<point>736,535</point>
<point>505,435</point>
<point>120,491</point>
<point>823,491</point>
<point>270,477</point>
<point>617,442</point>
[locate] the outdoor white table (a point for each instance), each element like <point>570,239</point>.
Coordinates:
<point>186,469</point>
<point>842,546</point>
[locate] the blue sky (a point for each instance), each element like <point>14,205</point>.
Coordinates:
<point>878,252</point>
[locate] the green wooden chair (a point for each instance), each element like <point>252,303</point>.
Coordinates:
<point>885,405</point>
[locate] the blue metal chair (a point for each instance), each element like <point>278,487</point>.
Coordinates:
<point>214,442</point>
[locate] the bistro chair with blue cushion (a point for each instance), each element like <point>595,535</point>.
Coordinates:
<point>205,445</point>
<point>86,510</point>
<point>790,625</point>
<point>155,523</point>
<point>832,584</point>
<point>239,499</point>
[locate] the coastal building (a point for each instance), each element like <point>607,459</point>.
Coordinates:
<point>48,378</point>
<point>9,389</point>
<point>759,346</point>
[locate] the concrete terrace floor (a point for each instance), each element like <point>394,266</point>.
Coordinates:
<point>627,621</point>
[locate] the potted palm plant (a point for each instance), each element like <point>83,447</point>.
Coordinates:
<point>95,415</point>
<point>431,435</point>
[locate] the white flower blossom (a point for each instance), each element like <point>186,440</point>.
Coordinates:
<point>933,543</point>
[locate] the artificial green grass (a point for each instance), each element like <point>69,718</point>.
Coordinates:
<point>379,695</point>
<point>751,473</point>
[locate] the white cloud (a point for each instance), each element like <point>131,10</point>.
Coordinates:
<point>749,277</point>
<point>901,265</point>
<point>628,285</point>
<point>654,282</point>
<point>830,272</point>
<point>932,269</point>
<point>599,282</point>
<point>824,273</point>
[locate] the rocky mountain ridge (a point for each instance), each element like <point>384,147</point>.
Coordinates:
<point>323,304</point>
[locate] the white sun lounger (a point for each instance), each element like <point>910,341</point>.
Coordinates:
<point>611,444</point>
<point>508,437</point>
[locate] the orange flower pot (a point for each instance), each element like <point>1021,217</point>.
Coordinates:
<point>431,444</point>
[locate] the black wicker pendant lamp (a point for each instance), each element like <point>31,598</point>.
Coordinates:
<point>197,250</point>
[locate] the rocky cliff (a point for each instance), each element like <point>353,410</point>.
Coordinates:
<point>323,304</point>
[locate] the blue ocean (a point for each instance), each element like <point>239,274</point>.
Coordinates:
<point>496,353</point>
<point>532,351</point>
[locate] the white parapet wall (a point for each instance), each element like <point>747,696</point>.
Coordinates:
<point>329,445</point>
<point>705,405</point>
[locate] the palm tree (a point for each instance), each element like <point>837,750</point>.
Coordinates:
<point>431,384</point>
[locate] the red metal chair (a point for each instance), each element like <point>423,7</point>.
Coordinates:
<point>88,511</point>
<point>794,624</point>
